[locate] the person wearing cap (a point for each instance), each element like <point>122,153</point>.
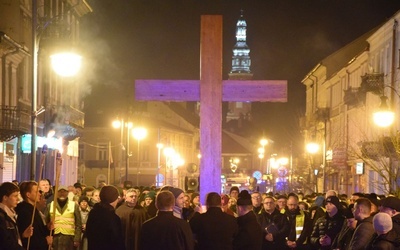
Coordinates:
<point>10,237</point>
<point>391,206</point>
<point>364,231</point>
<point>103,227</point>
<point>84,209</point>
<point>165,231</point>
<point>67,221</point>
<point>214,229</point>
<point>275,225</point>
<point>300,224</point>
<point>179,201</point>
<point>342,240</point>
<point>132,216</point>
<point>281,202</point>
<point>384,238</point>
<point>328,226</point>
<point>250,234</point>
<point>41,238</point>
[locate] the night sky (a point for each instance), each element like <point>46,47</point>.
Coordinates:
<point>159,39</point>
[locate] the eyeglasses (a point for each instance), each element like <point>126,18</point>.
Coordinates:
<point>255,198</point>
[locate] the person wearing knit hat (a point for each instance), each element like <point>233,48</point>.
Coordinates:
<point>179,201</point>
<point>327,227</point>
<point>149,197</point>
<point>250,233</point>
<point>103,227</point>
<point>335,201</point>
<point>109,195</point>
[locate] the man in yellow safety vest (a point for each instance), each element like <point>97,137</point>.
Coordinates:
<point>300,224</point>
<point>67,221</point>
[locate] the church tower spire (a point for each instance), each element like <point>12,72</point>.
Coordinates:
<point>240,111</point>
<point>241,61</point>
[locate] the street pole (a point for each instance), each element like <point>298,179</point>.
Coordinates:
<point>127,153</point>
<point>138,166</point>
<point>34,89</point>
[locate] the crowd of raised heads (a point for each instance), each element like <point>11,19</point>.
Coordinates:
<point>36,215</point>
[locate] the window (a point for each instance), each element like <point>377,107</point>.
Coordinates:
<point>102,149</point>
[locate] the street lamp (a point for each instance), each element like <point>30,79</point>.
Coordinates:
<point>139,134</point>
<point>61,65</point>
<point>384,117</point>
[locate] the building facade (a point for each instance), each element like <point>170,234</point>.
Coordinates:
<point>58,100</point>
<point>342,93</point>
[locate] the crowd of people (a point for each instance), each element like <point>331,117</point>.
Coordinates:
<point>36,216</point>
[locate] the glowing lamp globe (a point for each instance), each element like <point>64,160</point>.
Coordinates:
<point>384,118</point>
<point>66,64</point>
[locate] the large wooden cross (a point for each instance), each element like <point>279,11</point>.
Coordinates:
<point>211,90</point>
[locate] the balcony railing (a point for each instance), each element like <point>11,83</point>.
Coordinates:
<point>372,83</point>
<point>14,122</point>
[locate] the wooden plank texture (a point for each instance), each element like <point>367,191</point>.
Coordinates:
<point>210,104</point>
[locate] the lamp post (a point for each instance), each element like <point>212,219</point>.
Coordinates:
<point>159,147</point>
<point>61,66</point>
<point>312,148</point>
<point>122,125</point>
<point>139,134</point>
<point>168,152</point>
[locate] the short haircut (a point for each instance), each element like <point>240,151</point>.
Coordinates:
<point>365,203</point>
<point>213,200</point>
<point>86,190</point>
<point>26,187</point>
<point>165,200</point>
<point>293,195</point>
<point>132,190</point>
<point>7,188</point>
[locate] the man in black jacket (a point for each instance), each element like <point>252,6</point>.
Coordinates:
<point>250,232</point>
<point>328,226</point>
<point>165,231</point>
<point>103,227</point>
<point>275,225</point>
<point>214,229</point>
<point>300,224</point>
<point>364,231</point>
<point>41,238</point>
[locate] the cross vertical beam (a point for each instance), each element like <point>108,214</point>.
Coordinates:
<point>210,104</point>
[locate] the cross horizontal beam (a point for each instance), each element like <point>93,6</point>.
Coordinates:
<point>232,90</point>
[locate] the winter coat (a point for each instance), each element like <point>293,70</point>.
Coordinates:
<point>40,231</point>
<point>132,219</point>
<point>8,233</point>
<point>214,229</point>
<point>165,231</point>
<point>326,225</point>
<point>362,235</point>
<point>280,222</point>
<point>250,233</point>
<point>103,229</point>
<point>387,241</point>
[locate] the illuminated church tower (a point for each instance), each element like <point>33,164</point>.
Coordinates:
<point>240,71</point>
